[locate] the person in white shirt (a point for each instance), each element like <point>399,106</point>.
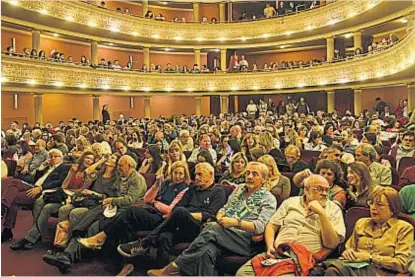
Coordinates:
<point>205,144</point>
<point>251,109</point>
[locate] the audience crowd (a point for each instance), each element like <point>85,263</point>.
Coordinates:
<point>273,184</point>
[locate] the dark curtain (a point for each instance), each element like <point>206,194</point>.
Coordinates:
<point>231,107</point>
<point>344,100</point>
<point>215,104</point>
<point>243,101</point>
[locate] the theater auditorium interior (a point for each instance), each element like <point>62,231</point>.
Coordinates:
<point>207,137</point>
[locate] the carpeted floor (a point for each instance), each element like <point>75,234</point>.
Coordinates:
<point>30,263</point>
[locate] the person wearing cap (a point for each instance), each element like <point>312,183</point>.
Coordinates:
<point>311,221</point>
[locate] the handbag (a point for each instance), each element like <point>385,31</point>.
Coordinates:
<point>61,236</point>
<point>58,196</point>
<point>80,200</point>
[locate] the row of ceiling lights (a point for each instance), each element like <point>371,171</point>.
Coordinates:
<point>114,27</point>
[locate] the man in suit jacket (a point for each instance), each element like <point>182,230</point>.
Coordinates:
<point>20,193</point>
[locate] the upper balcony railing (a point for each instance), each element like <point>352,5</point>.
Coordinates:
<point>18,71</point>
<point>89,15</point>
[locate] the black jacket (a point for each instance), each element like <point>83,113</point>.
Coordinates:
<point>55,178</point>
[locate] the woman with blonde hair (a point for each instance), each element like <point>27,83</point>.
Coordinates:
<point>248,142</point>
<point>266,140</point>
<point>81,145</point>
<point>174,154</point>
<point>277,183</point>
<point>235,175</point>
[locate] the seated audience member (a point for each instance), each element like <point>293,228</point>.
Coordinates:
<point>199,205</point>
<point>205,144</point>
<point>407,195</point>
<point>379,152</point>
<point>277,183</point>
<point>316,143</point>
<point>75,181</point>
<point>408,176</point>
<point>333,173</point>
<point>60,143</point>
<point>248,142</point>
<point>310,221</point>
<point>82,145</point>
<point>186,140</point>
<point>292,162</point>
<point>380,174</point>
<point>360,184</point>
<point>49,175</point>
<point>131,187</point>
<point>159,200</point>
<point>121,148</point>
<point>174,154</point>
<point>405,149</point>
<point>153,162</point>
<point>233,230</point>
<point>266,140</point>
<point>380,245</point>
<point>235,175</point>
<point>169,133</point>
<point>28,171</point>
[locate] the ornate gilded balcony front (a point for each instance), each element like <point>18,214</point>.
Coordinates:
<point>92,16</point>
<point>35,73</point>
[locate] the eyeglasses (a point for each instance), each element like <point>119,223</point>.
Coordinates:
<point>377,204</point>
<point>320,189</point>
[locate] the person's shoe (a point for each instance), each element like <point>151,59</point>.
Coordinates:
<point>84,242</point>
<point>6,235</point>
<point>30,245</point>
<point>127,270</point>
<point>62,260</point>
<point>132,249</point>
<point>18,245</point>
<point>168,270</point>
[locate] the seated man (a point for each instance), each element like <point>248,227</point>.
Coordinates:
<point>49,175</point>
<point>236,223</point>
<point>405,149</point>
<point>381,175</point>
<point>40,156</point>
<point>205,144</point>
<point>310,220</point>
<point>292,162</point>
<point>199,205</point>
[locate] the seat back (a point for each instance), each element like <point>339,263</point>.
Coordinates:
<point>404,163</point>
<point>294,189</point>
<point>150,179</point>
<point>386,149</point>
<point>11,166</point>
<point>395,176</point>
<point>187,154</point>
<point>308,155</point>
<point>141,152</point>
<point>390,158</point>
<point>386,143</point>
<point>7,154</point>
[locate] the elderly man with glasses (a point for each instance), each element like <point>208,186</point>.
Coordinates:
<point>311,221</point>
<point>405,149</point>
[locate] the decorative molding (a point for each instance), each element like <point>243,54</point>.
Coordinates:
<point>18,72</point>
<point>83,13</point>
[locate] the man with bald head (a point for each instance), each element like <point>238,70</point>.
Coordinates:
<point>233,231</point>
<point>199,205</point>
<point>310,220</point>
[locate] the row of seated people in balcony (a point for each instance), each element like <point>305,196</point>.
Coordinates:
<point>366,183</point>
<point>284,8</point>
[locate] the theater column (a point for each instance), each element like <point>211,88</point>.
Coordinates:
<point>222,13</point>
<point>196,12</point>
<point>330,49</point>
<point>95,107</point>
<point>94,52</point>
<point>144,6</point>
<point>357,40</point>
<point>36,40</point>
<point>146,57</point>
<point>223,59</point>
<point>147,106</point>
<point>224,103</point>
<point>198,105</point>
<point>197,57</point>
<point>39,108</point>
<point>411,97</point>
<point>330,101</point>
<point>236,103</point>
<point>357,101</point>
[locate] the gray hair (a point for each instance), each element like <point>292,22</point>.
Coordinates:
<point>368,149</point>
<point>206,166</point>
<point>130,161</point>
<point>55,151</point>
<point>263,167</point>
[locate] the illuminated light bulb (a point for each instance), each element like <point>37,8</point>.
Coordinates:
<point>14,2</point>
<point>32,82</point>
<point>243,38</point>
<point>255,87</point>
<point>363,77</point>
<point>234,88</point>
<point>343,81</point>
<point>4,79</point>
<point>83,85</point>
<point>106,87</point>
<point>69,18</point>
<point>167,49</point>
<point>282,46</point>
<point>289,33</point>
<point>156,36</point>
<point>190,89</point>
<point>58,84</point>
<point>169,89</point>
<point>222,39</point>
<point>278,86</point>
<point>44,11</point>
<point>348,35</point>
<point>212,88</point>
<point>301,85</point>
<point>125,88</point>
<point>146,89</point>
<point>134,34</point>
<point>379,74</point>
<point>55,35</point>
<point>178,38</point>
<point>352,14</point>
<point>309,27</point>
<point>323,82</point>
<point>114,29</point>
<point>332,21</point>
<point>200,39</point>
<point>92,23</point>
<point>266,35</point>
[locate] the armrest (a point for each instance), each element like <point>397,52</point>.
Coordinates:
<point>321,255</point>
<point>257,238</point>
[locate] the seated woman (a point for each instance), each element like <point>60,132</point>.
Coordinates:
<point>24,155</point>
<point>332,171</point>
<point>174,154</point>
<point>277,184</point>
<point>248,142</point>
<point>82,145</point>
<point>73,182</point>
<point>153,162</point>
<point>235,175</point>
<point>379,245</point>
<point>360,184</point>
<point>407,194</point>
<point>159,200</point>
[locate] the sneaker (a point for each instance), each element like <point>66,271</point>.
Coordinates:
<point>132,249</point>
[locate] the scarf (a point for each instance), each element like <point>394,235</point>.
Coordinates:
<point>240,207</point>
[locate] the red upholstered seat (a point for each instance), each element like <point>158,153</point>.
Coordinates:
<point>404,163</point>
<point>308,155</point>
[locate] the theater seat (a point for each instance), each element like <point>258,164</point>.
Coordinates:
<point>395,177</point>
<point>308,155</point>
<point>404,163</point>
<point>390,158</point>
<point>294,189</point>
<point>150,179</point>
